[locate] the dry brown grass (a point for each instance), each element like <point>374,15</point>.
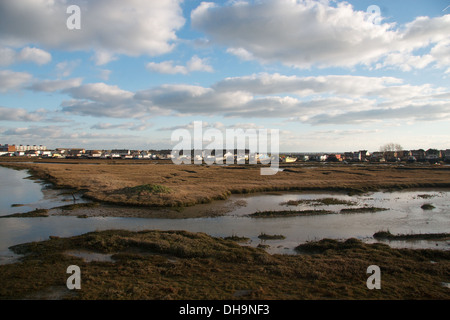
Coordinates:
<point>114,181</point>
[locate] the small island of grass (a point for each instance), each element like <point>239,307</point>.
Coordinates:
<point>423,236</point>
<point>288,213</point>
<point>264,236</point>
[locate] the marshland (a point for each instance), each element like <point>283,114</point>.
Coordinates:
<point>209,232</point>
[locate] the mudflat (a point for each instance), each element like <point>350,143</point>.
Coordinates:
<point>163,184</point>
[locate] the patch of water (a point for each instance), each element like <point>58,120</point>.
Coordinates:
<point>19,194</point>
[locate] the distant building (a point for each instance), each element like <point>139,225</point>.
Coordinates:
<point>121,152</point>
<point>7,148</point>
<point>433,155</point>
<point>446,155</point>
<point>32,153</point>
<point>377,156</point>
<point>404,155</point>
<point>31,148</point>
<point>363,155</point>
<point>94,153</point>
<point>419,154</point>
<point>75,153</point>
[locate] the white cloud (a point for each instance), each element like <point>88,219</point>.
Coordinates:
<point>189,99</point>
<point>104,74</point>
<point>198,64</point>
<point>315,100</point>
<point>441,53</point>
<point>102,100</point>
<point>52,134</point>
<point>20,114</point>
<point>406,61</point>
<point>168,67</point>
<point>9,56</point>
<point>103,57</point>
<point>99,92</point>
<point>65,68</point>
<point>308,33</point>
<point>416,112</point>
<point>128,126</point>
<point>241,53</point>
<point>11,80</point>
<point>108,27</point>
<point>35,55</point>
<point>55,85</point>
<point>265,83</point>
<point>191,125</point>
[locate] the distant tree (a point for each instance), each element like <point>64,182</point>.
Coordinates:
<point>391,147</point>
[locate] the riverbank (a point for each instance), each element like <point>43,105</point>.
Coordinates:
<point>177,186</point>
<point>183,265</point>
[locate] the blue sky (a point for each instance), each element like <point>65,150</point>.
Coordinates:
<point>328,74</point>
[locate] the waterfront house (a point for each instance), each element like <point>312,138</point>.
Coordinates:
<point>446,155</point>
<point>7,148</point>
<point>31,153</point>
<point>419,154</point>
<point>377,156</point>
<point>433,155</point>
<point>75,153</point>
<point>94,153</point>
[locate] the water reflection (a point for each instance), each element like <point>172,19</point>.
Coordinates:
<point>19,193</point>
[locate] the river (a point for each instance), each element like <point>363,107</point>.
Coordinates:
<point>404,215</point>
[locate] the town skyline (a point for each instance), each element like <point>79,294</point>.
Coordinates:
<point>385,149</point>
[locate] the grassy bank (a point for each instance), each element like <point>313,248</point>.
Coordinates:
<point>427,236</point>
<point>184,265</point>
<point>168,185</point>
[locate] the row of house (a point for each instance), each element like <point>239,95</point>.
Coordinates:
<point>420,155</point>
<point>14,148</point>
<point>109,154</point>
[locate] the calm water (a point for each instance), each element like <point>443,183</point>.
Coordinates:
<point>20,194</point>
<point>404,215</point>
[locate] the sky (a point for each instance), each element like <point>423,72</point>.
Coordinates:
<point>331,76</point>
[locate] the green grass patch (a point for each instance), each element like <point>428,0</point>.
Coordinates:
<point>288,213</point>
<point>147,188</point>
<point>428,206</point>
<point>361,210</point>
<point>237,238</point>
<point>422,236</point>
<point>264,236</point>
<point>425,196</point>
<point>323,245</point>
<point>318,202</point>
<point>78,206</point>
<point>31,214</point>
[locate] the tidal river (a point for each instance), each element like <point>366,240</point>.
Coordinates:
<point>403,215</point>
